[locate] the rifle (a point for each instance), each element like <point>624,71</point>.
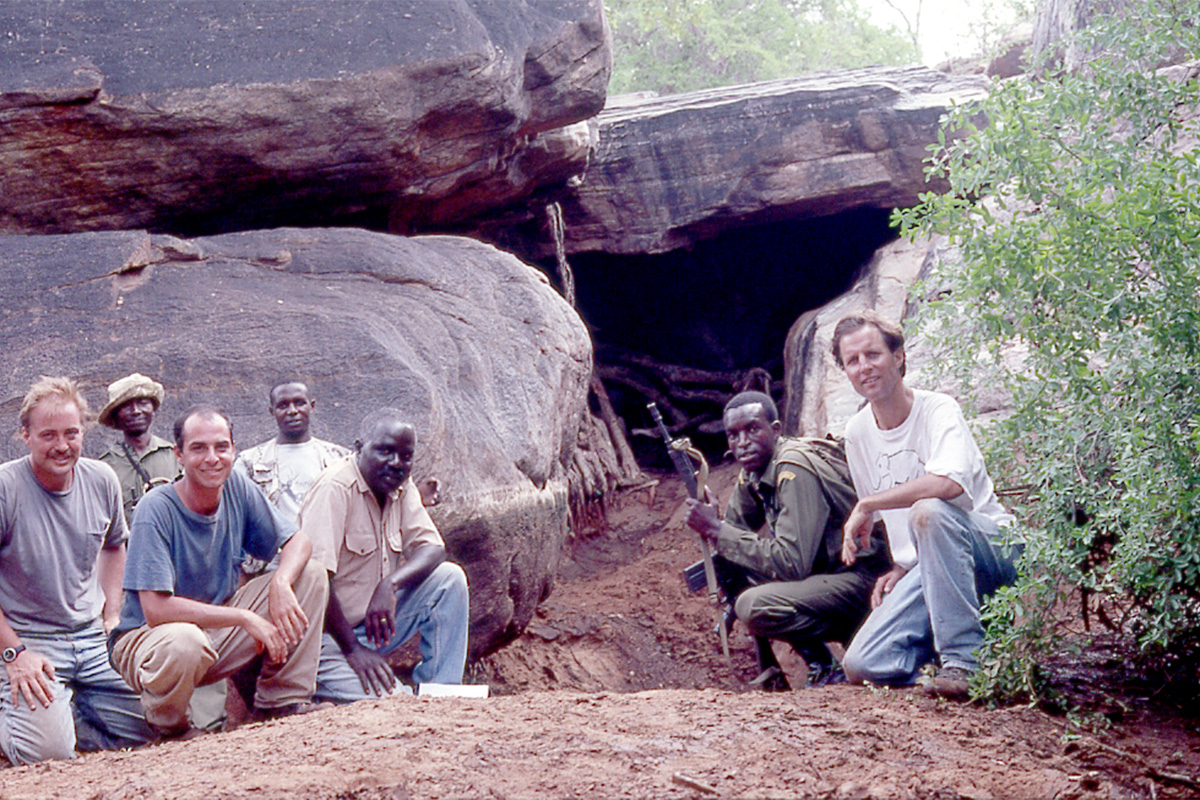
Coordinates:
<point>682,452</point>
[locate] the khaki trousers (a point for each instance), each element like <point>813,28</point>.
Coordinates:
<point>165,663</point>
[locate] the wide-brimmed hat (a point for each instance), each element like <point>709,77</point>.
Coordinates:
<point>131,387</point>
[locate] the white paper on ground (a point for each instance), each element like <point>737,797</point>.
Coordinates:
<point>452,690</point>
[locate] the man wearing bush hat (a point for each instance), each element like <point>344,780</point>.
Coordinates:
<point>140,459</point>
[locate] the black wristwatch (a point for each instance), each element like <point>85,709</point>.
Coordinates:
<point>9,654</point>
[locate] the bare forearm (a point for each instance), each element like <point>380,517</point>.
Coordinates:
<point>337,626</point>
<point>416,568</point>
<point>160,607</point>
<point>110,569</point>
<point>293,558</point>
<point>909,492</point>
<point>8,637</point>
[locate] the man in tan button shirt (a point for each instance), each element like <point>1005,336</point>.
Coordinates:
<point>389,577</point>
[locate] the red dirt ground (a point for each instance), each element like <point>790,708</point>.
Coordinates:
<point>618,689</point>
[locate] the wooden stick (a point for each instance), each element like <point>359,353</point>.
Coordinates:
<point>692,783</point>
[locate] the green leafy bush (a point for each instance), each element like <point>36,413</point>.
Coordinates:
<point>684,45</point>
<point>1075,202</point>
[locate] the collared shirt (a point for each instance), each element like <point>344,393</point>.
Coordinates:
<point>802,500</point>
<point>359,543</point>
<point>158,461</point>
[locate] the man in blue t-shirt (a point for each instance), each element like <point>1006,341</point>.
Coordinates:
<point>185,622</point>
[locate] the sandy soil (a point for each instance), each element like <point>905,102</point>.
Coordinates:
<point>619,690</point>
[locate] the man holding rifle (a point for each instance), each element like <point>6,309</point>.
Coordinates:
<point>779,545</point>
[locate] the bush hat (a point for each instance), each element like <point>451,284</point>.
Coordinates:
<point>131,387</point>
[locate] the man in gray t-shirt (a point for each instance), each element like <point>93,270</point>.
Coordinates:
<point>62,555</point>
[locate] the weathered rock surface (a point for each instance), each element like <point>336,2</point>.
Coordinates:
<point>819,397</point>
<point>216,116</point>
<point>671,171</point>
<point>486,359</point>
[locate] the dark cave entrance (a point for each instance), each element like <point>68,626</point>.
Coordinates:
<point>684,326</point>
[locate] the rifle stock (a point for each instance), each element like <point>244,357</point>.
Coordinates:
<point>681,453</point>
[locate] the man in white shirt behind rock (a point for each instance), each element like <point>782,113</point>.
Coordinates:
<point>916,465</point>
<point>284,466</point>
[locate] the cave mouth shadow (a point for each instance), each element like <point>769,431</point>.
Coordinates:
<point>687,324</point>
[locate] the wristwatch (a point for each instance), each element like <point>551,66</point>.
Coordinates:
<point>9,654</point>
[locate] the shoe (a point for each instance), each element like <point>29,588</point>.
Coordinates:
<point>291,710</point>
<point>771,679</point>
<point>952,683</point>
<point>824,675</point>
<point>180,735</point>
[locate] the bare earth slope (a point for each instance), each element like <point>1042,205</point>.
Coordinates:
<point>578,713</point>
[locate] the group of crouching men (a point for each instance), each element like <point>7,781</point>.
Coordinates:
<point>303,564</point>
<point>295,568</point>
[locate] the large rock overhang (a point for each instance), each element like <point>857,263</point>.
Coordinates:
<point>669,172</point>
<point>209,117</point>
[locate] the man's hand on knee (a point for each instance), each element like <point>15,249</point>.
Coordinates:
<point>32,677</point>
<point>886,583</point>
<point>380,620</point>
<point>285,612</point>
<point>267,635</point>
<point>372,670</point>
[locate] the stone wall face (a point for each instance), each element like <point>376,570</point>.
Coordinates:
<point>669,172</point>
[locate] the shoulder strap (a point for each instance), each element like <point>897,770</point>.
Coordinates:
<point>826,459</point>
<point>133,462</point>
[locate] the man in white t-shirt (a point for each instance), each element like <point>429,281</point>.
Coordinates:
<point>916,465</point>
<point>285,466</point>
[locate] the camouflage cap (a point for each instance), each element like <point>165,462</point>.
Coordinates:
<point>131,387</point>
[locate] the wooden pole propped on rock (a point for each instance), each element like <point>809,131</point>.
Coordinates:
<point>603,462</point>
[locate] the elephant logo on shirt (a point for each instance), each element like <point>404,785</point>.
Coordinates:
<point>896,468</point>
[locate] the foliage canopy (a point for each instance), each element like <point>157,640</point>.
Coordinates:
<point>682,45</point>
<point>1079,294</point>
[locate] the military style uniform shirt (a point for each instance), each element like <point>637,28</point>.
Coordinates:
<point>359,543</point>
<point>802,500</point>
<point>158,461</point>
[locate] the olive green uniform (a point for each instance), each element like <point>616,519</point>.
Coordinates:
<point>783,533</point>
<point>158,462</point>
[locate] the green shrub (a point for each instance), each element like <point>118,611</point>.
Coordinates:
<point>1079,294</point>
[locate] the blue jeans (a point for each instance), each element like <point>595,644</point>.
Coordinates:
<point>933,611</point>
<point>92,707</point>
<point>439,609</point>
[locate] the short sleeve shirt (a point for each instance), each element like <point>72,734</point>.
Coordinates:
<point>933,440</point>
<point>198,556</point>
<point>50,543</point>
<point>354,539</point>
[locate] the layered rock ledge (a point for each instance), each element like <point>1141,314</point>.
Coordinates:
<point>206,117</point>
<point>671,171</point>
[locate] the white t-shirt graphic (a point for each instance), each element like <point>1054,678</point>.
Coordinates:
<point>933,439</point>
